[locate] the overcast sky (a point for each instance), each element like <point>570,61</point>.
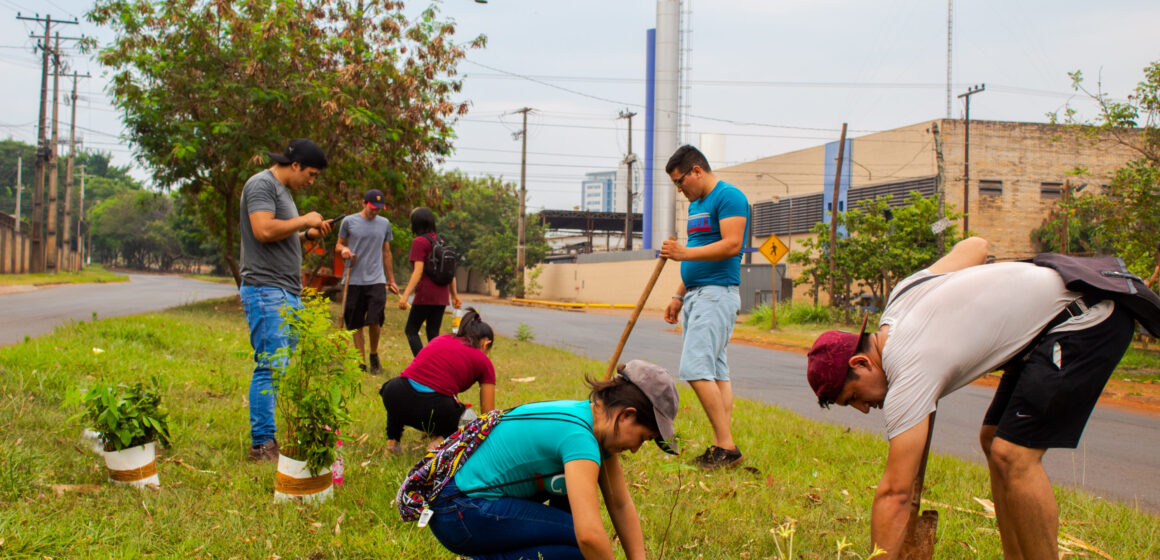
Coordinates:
<point>772,76</point>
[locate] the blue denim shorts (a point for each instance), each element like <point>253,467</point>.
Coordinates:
<point>709,314</point>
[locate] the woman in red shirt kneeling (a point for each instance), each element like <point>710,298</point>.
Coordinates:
<point>424,395</point>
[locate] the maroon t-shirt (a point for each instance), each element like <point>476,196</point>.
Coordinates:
<point>450,366</point>
<point>427,292</point>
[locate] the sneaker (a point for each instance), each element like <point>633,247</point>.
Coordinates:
<point>267,452</point>
<point>376,367</point>
<point>716,457</point>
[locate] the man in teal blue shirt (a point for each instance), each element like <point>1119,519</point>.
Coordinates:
<point>708,298</point>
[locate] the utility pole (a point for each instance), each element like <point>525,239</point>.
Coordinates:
<point>52,241</point>
<point>523,198</point>
<point>940,184</point>
<point>19,168</point>
<point>628,160</point>
<point>967,154</point>
<point>81,220</point>
<point>1065,239</point>
<point>66,238</point>
<point>834,211</point>
<point>37,258</point>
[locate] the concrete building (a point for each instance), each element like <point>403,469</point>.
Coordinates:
<point>605,191</point>
<point>1017,175</point>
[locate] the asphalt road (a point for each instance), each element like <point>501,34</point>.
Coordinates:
<point>37,312</point>
<point>1118,457</point>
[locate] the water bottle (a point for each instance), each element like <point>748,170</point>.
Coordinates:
<point>336,470</point>
<point>456,318</point>
<point>467,416</point>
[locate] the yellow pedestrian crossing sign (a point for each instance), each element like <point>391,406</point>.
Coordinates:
<point>773,249</point>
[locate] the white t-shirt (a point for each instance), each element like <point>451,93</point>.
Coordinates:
<point>951,329</point>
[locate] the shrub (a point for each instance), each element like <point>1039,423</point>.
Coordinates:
<point>126,416</point>
<point>315,381</point>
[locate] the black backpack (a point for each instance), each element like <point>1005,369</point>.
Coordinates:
<point>441,261</point>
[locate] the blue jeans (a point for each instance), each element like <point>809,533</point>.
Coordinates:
<point>503,529</point>
<point>263,306</point>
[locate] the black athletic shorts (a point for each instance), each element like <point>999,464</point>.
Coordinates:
<point>1046,401</point>
<point>364,305</point>
<point>430,413</point>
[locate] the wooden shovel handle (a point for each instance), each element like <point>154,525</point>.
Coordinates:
<point>635,315</point>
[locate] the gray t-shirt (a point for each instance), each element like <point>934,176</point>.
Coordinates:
<point>366,238</point>
<point>277,264</point>
<point>954,328</point>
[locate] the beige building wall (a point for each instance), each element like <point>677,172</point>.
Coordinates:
<point>613,282</point>
<point>1023,156</point>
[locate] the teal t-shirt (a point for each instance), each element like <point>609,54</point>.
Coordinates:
<point>704,227</point>
<point>534,439</point>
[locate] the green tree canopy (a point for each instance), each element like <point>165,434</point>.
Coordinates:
<point>883,245</point>
<point>481,221</point>
<point>1124,216</point>
<point>207,88</point>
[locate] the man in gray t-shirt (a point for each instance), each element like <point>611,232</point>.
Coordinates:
<point>271,235</point>
<point>364,243</point>
<point>948,325</point>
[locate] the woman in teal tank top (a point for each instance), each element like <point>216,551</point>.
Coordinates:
<point>565,453</point>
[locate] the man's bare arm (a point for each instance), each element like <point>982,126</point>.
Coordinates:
<point>891,509</point>
<point>966,253</point>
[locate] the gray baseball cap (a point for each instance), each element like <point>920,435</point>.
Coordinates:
<point>657,384</point>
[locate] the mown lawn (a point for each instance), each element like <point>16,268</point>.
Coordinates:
<point>94,273</point>
<point>55,502</point>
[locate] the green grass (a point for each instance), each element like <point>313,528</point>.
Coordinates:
<point>211,278</point>
<point>222,506</point>
<point>94,273</point>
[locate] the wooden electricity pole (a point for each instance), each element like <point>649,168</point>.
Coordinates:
<point>66,239</point>
<point>628,160</point>
<point>36,261</point>
<point>523,199</point>
<point>966,97</point>
<point>52,241</point>
<point>834,212</point>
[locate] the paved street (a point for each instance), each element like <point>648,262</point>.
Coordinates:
<point>37,312</point>
<point>1118,457</point>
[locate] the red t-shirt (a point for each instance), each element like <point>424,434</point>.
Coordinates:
<point>427,292</point>
<point>450,366</point>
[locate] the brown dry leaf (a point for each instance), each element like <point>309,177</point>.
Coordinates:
<point>691,545</point>
<point>316,524</point>
<point>703,486</point>
<point>338,524</point>
<point>987,505</point>
<point>60,489</point>
<point>814,497</point>
<point>968,547</point>
<point>697,516</point>
<point>1066,539</point>
<point>523,379</point>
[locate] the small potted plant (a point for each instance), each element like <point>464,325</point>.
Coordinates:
<point>129,422</point>
<point>315,380</point>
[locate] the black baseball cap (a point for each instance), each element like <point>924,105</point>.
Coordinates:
<point>375,197</point>
<point>303,151</point>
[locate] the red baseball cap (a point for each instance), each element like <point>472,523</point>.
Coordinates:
<point>829,360</point>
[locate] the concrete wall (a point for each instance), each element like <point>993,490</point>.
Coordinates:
<point>607,282</point>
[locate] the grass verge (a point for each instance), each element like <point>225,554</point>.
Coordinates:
<point>94,273</point>
<point>55,502</point>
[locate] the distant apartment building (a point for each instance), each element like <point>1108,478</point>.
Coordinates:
<point>605,191</point>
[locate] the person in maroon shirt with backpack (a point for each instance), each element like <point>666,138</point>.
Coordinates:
<point>424,395</point>
<point>431,299</point>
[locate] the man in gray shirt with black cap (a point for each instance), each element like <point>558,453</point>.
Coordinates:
<point>272,233</point>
